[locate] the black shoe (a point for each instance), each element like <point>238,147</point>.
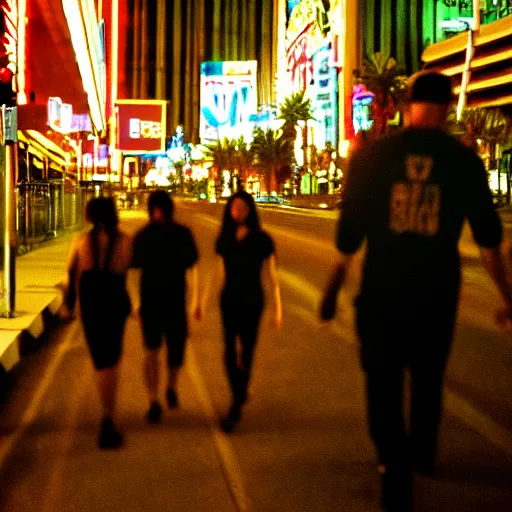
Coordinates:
<point>228,423</point>
<point>110,438</point>
<point>154,414</point>
<point>396,491</point>
<point>172,399</point>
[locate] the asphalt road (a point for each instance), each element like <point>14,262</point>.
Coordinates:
<point>302,444</point>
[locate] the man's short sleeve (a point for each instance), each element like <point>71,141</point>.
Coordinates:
<point>191,254</point>
<point>351,231</point>
<point>138,251</point>
<point>484,221</point>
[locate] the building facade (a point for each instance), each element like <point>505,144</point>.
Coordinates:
<point>169,40</point>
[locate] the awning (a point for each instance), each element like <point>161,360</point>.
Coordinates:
<point>42,147</point>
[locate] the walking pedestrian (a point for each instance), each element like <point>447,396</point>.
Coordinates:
<point>408,196</point>
<point>245,251</point>
<point>166,254</point>
<point>98,262</point>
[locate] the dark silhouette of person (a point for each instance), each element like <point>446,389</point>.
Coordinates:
<point>98,262</point>
<point>166,254</point>
<point>408,195</point>
<point>245,251</point>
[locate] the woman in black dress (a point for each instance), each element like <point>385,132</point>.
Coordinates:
<point>245,250</point>
<point>99,260</point>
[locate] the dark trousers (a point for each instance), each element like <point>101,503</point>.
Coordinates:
<point>242,323</point>
<point>384,388</point>
<point>398,448</point>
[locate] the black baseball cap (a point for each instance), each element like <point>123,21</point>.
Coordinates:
<point>429,87</point>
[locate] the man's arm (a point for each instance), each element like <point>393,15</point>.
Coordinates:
<point>351,232</point>
<point>133,287</point>
<point>336,281</point>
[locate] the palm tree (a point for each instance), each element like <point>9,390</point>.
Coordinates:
<point>273,155</point>
<point>293,110</point>
<point>243,158</point>
<point>490,125</point>
<point>382,76</point>
<point>221,156</point>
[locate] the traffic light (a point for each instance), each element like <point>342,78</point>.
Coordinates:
<point>7,95</point>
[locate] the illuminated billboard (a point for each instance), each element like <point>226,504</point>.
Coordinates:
<point>141,126</point>
<point>315,37</point>
<point>228,98</point>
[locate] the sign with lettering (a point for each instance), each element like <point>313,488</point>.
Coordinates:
<point>141,126</point>
<point>228,98</point>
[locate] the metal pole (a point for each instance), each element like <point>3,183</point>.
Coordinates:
<point>466,76</point>
<point>470,52</point>
<point>9,236</point>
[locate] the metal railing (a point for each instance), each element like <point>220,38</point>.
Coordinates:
<point>46,209</point>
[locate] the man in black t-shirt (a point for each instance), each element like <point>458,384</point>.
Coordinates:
<point>165,252</point>
<point>408,196</point>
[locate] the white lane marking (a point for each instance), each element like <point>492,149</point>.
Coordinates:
<point>313,321</point>
<point>207,218</point>
<point>306,240</point>
<point>8,442</point>
<point>455,404</point>
<point>313,295</point>
<point>227,457</point>
<point>497,435</point>
<point>478,420</point>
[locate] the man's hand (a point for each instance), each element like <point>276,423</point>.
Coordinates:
<point>335,283</point>
<point>328,306</point>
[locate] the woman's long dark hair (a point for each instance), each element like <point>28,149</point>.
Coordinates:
<point>229,226</point>
<point>102,214</point>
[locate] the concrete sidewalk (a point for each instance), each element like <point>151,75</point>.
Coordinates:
<point>37,299</point>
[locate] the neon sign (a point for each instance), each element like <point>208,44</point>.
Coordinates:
<point>145,129</point>
<point>13,44</point>
<point>60,115</point>
<point>87,43</point>
<point>314,56</point>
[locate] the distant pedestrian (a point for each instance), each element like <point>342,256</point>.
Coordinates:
<point>166,254</point>
<point>408,196</point>
<point>244,250</point>
<point>98,262</point>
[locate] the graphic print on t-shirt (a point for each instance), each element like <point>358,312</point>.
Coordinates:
<point>415,204</point>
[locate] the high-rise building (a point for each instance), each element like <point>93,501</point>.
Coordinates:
<point>170,39</point>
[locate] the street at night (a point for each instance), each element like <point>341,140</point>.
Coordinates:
<point>302,443</point>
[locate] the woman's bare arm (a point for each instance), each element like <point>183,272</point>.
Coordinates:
<point>273,279</point>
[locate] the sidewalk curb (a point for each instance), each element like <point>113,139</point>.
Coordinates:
<point>30,339</point>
